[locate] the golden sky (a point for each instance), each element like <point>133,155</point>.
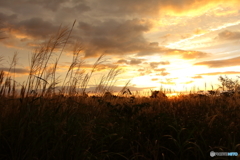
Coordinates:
<point>177,44</point>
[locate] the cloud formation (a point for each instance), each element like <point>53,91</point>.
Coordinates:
<point>221,63</point>
<point>185,54</point>
<point>197,77</point>
<point>158,7</point>
<point>219,73</point>
<point>16,70</point>
<point>129,28</point>
<point>116,37</point>
<point>156,64</point>
<point>228,35</point>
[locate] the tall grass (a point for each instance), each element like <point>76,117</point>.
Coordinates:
<point>49,119</point>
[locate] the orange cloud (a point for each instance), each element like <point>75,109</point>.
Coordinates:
<point>218,73</point>
<point>168,83</point>
<point>196,77</point>
<point>154,79</point>
<point>185,54</point>
<point>221,63</point>
<point>195,7</point>
<point>228,35</point>
<point>223,12</point>
<point>200,31</point>
<point>16,70</point>
<point>188,82</point>
<point>163,74</point>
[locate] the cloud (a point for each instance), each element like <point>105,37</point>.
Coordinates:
<point>187,54</point>
<point>141,70</point>
<point>169,81</point>
<point>135,61</point>
<point>131,62</point>
<point>116,37</point>
<point>88,66</point>
<point>36,28</point>
<point>156,64</point>
<point>199,31</point>
<point>122,61</point>
<point>163,74</point>
<point>118,89</point>
<point>154,79</point>
<point>219,73</point>
<point>16,70</point>
<point>20,4</point>
<point>197,77</point>
<point>155,8</point>
<point>228,35</point>
<point>221,63</point>
<point>154,44</point>
<point>4,17</point>
<point>188,82</point>
<point>160,69</point>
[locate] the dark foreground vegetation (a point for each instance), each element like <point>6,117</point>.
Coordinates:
<point>42,123</point>
<point>89,128</point>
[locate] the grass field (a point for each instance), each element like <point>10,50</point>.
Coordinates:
<point>41,122</point>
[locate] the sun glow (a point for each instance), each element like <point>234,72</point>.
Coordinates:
<point>144,81</point>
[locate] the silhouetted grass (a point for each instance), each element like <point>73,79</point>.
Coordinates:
<point>41,123</point>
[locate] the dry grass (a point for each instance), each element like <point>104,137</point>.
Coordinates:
<point>40,122</point>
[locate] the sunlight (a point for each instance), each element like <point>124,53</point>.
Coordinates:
<point>145,81</point>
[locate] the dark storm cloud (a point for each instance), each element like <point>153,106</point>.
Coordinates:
<point>4,18</point>
<point>33,27</point>
<point>105,26</point>
<point>36,27</point>
<point>228,35</point>
<point>24,4</point>
<point>221,63</point>
<point>116,37</point>
<point>155,7</point>
<point>79,8</point>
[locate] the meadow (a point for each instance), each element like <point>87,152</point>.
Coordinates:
<point>42,120</point>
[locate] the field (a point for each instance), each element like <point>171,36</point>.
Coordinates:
<point>43,121</point>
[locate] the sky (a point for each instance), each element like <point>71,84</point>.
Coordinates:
<point>175,44</point>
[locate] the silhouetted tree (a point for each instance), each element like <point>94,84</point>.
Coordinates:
<point>229,83</point>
